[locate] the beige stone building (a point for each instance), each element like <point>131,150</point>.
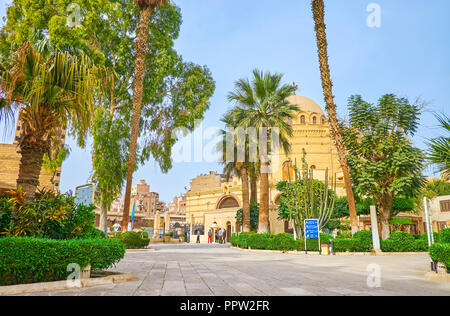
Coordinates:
<point>10,160</point>
<point>212,202</point>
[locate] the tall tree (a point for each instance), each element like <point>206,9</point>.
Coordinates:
<point>49,89</point>
<point>318,9</point>
<point>146,8</point>
<point>175,92</point>
<point>188,89</point>
<point>262,104</point>
<point>383,162</point>
<point>237,166</point>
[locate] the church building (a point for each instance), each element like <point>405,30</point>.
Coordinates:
<point>212,201</point>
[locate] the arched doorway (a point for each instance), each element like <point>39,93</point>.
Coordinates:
<point>229,232</point>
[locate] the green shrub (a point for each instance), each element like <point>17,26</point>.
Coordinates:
<point>283,242</point>
<point>133,240</point>
<point>441,253</point>
<point>345,234</point>
<point>399,242</point>
<point>243,240</point>
<point>436,237</point>
<point>50,215</point>
<point>365,240</point>
<point>259,241</point>
<point>234,240</point>
<point>346,245</point>
<point>444,236</point>
<point>421,245</point>
<point>29,260</point>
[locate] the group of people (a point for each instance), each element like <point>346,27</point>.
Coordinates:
<point>220,236</point>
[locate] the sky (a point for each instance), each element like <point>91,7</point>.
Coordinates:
<point>407,55</point>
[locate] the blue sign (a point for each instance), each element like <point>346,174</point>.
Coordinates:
<point>312,228</point>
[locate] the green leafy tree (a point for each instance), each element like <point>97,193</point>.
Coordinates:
<point>382,159</point>
<point>175,92</point>
<point>254,217</point>
<point>262,104</point>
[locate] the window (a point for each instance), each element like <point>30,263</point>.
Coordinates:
<point>314,120</point>
<point>323,121</point>
<point>302,120</point>
<point>445,206</point>
<point>18,127</point>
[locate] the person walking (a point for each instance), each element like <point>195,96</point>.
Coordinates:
<point>224,236</point>
<point>198,236</point>
<point>220,236</point>
<point>209,237</point>
<point>216,240</point>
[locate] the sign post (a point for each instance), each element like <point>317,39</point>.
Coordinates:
<point>312,231</point>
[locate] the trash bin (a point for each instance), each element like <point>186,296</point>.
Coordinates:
<point>325,250</point>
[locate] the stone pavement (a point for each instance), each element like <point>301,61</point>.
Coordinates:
<point>217,270</point>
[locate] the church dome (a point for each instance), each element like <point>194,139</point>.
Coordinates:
<point>305,104</point>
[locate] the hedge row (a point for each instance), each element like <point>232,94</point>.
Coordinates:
<point>361,242</point>
<point>286,242</point>
<point>26,260</point>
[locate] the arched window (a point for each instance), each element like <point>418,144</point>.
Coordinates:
<point>228,202</point>
<point>288,171</point>
<point>323,121</point>
<point>314,120</point>
<point>302,120</point>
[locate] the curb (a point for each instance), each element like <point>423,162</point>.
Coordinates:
<point>140,250</point>
<point>64,285</point>
<point>433,276</point>
<point>380,254</point>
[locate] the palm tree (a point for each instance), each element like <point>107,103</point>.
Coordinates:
<point>232,166</point>
<point>262,105</point>
<point>146,8</point>
<point>440,147</point>
<point>49,89</point>
<point>318,9</point>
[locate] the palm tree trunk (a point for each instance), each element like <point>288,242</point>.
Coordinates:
<point>245,199</point>
<point>138,84</point>
<point>30,169</point>
<point>263,226</point>
<point>318,9</point>
<point>253,190</point>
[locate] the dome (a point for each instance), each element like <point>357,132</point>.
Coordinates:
<point>305,104</point>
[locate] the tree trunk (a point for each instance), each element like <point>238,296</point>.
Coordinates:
<point>318,9</point>
<point>245,199</point>
<point>384,206</point>
<point>104,218</point>
<point>253,190</point>
<point>138,84</point>
<point>30,169</point>
<point>264,202</point>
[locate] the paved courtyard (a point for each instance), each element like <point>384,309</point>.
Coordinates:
<point>202,270</point>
